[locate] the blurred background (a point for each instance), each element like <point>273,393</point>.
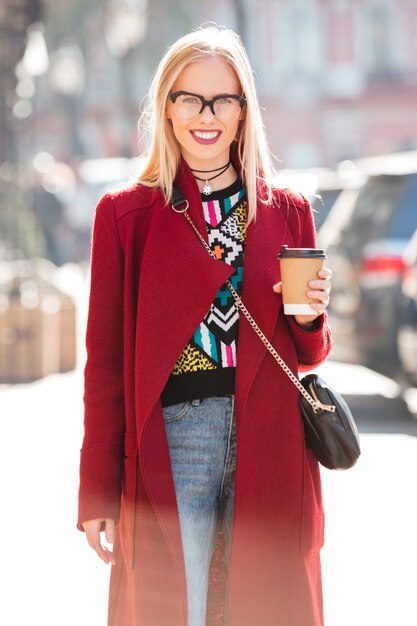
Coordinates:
<point>337,81</point>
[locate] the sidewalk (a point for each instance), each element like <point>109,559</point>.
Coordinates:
<point>53,578</point>
<point>370,554</point>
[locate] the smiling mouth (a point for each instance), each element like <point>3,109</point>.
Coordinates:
<point>211,135</point>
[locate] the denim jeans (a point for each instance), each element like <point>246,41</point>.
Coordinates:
<point>202,443</point>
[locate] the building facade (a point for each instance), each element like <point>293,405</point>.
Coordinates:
<point>337,79</point>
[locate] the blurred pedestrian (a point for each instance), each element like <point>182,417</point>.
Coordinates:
<point>191,428</point>
<point>48,210</point>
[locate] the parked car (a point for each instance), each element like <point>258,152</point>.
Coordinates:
<point>322,187</point>
<point>407,333</point>
<point>331,185</point>
<point>322,202</point>
<point>365,234</point>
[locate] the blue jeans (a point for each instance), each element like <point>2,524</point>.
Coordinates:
<point>202,443</point>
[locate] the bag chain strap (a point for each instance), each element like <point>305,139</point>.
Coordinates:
<point>317,406</point>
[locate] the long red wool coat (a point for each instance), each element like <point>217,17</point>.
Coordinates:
<point>152,282</point>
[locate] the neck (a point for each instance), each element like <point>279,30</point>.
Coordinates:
<point>221,182</point>
<point>215,169</point>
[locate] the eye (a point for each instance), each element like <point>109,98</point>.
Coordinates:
<point>190,99</point>
<point>224,100</point>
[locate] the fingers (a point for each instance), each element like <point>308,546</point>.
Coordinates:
<point>277,287</point>
<point>322,298</point>
<point>92,531</point>
<point>325,272</point>
<point>319,308</point>
<point>319,289</point>
<point>109,530</point>
<point>323,283</point>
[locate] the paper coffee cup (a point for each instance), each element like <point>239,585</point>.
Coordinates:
<point>298,267</point>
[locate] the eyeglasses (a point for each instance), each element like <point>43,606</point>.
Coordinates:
<point>226,107</point>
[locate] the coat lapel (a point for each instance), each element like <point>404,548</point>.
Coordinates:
<point>178,283</point>
<point>261,272</point>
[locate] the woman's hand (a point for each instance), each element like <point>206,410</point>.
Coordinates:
<point>92,532</point>
<point>319,289</point>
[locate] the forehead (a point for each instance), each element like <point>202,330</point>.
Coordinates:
<point>208,77</point>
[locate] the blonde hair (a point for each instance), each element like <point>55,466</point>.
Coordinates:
<point>163,159</point>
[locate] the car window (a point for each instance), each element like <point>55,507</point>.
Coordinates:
<point>375,205</point>
<point>322,203</point>
<point>403,221</point>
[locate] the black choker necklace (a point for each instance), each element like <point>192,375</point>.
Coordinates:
<point>207,189</point>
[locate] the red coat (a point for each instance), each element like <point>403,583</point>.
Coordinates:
<point>152,283</point>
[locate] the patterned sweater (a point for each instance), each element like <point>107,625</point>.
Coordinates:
<point>207,365</point>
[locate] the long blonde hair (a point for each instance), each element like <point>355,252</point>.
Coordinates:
<point>162,161</point>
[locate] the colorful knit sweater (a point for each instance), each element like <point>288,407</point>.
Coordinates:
<point>206,367</point>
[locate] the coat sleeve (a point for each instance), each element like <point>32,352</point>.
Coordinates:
<point>104,419</point>
<point>312,346</point>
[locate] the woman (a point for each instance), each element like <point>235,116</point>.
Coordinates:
<point>190,425</point>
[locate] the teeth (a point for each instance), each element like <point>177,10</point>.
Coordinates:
<point>208,135</point>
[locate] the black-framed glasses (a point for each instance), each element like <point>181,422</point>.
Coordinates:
<point>226,107</point>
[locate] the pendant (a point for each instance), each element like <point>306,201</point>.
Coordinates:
<point>207,189</point>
